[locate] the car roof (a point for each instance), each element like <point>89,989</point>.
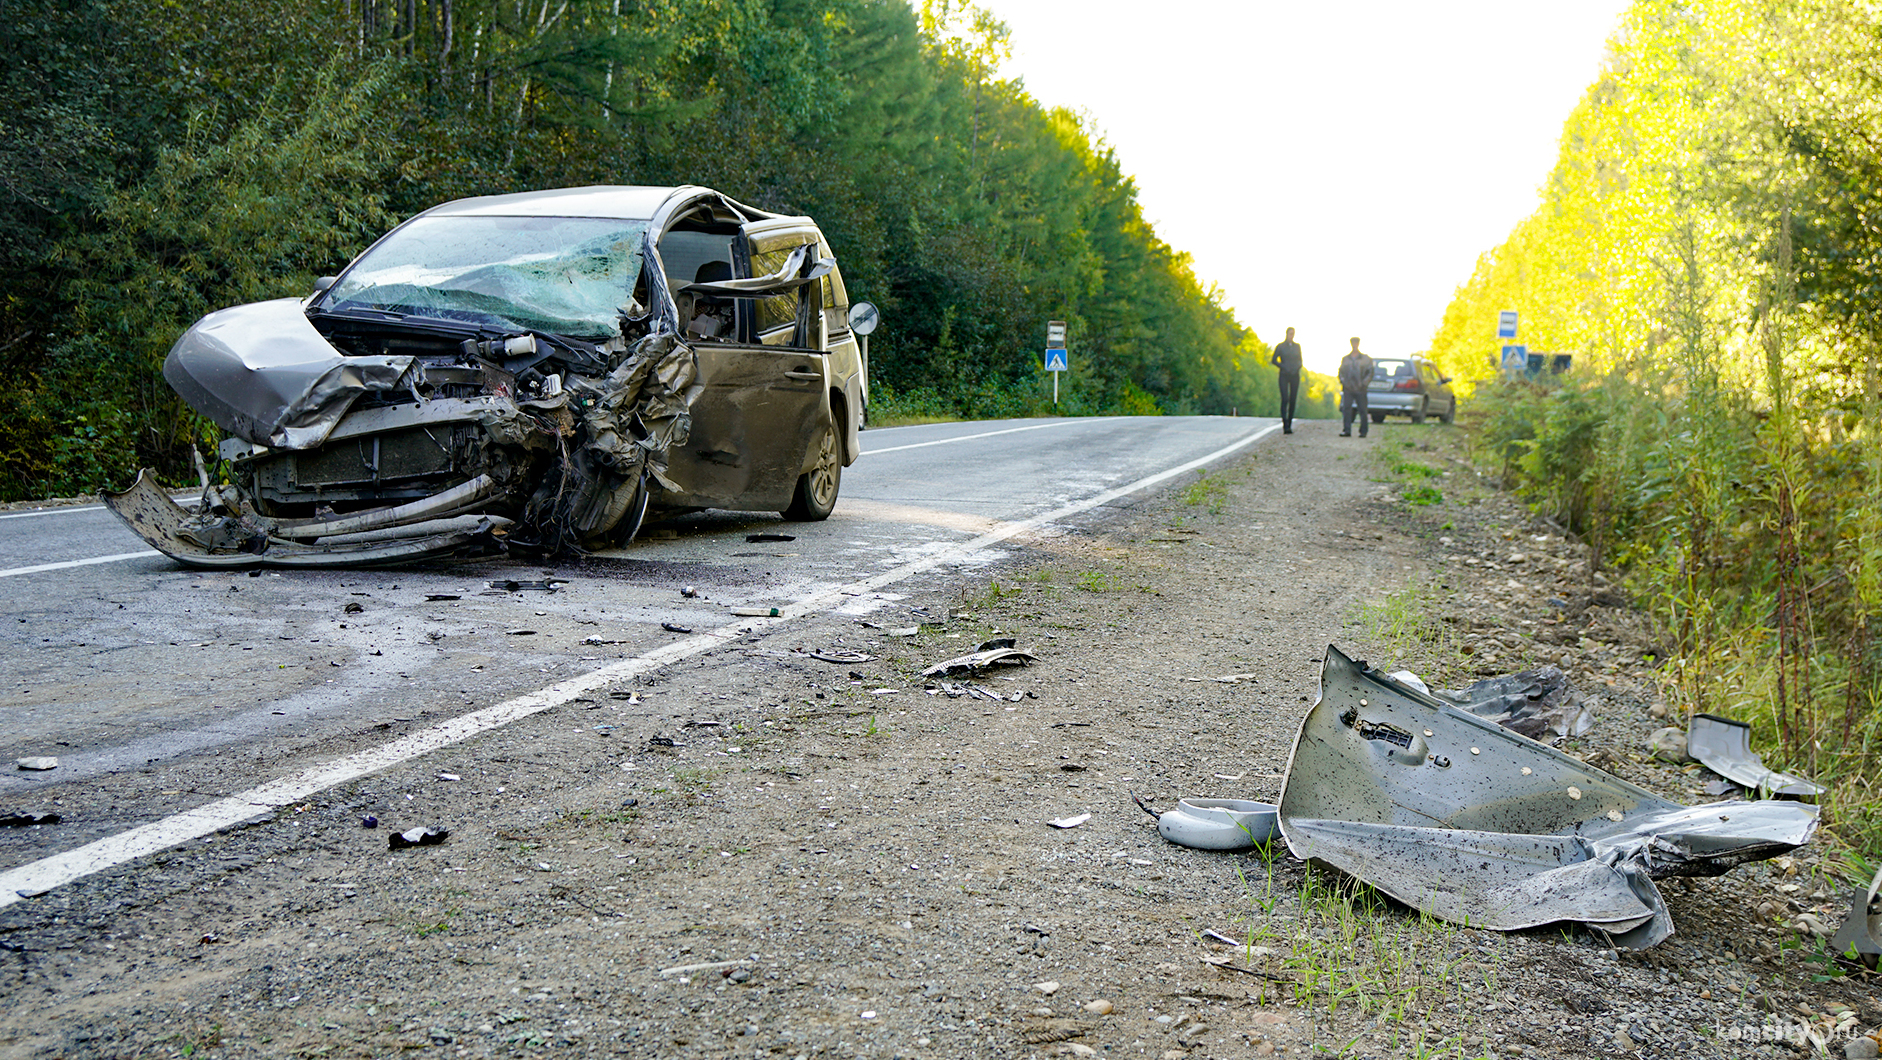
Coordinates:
<point>627,202</point>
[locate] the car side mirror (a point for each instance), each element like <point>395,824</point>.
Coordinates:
<point>1443,379</point>
<point>321,285</point>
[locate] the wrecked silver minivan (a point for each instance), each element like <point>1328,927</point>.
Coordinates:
<point>534,371</point>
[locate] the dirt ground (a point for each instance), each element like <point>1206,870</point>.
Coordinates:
<point>761,854</point>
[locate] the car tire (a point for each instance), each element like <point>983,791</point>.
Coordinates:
<point>1378,417</point>
<point>1450,414</point>
<point>629,526</point>
<point>1418,414</point>
<point>815,496</point>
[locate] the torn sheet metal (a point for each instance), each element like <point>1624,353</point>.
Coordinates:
<point>1724,746</point>
<point>1861,933</point>
<point>1536,703</point>
<point>1449,812</point>
<point>993,653</point>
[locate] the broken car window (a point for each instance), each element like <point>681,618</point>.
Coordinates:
<point>565,275</point>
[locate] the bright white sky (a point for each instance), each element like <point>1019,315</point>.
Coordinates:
<point>1337,167</point>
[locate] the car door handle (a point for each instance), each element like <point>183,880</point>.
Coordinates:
<point>812,376</point>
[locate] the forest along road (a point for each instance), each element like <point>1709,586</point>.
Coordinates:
<point>160,688</point>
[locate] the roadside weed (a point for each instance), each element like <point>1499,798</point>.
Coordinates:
<point>1207,492</point>
<point>694,780</point>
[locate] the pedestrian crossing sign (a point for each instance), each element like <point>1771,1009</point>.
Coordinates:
<point>1055,361</point>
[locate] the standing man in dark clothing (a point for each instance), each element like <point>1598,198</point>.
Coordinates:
<point>1287,359</point>
<point>1355,377</point>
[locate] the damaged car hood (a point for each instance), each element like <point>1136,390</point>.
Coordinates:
<point>263,373</point>
<point>1449,812</point>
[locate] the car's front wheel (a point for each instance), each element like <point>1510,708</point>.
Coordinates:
<point>1378,417</point>
<point>1450,413</point>
<point>815,496</point>
<point>1418,414</point>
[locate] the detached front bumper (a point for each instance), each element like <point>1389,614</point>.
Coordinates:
<point>221,538</point>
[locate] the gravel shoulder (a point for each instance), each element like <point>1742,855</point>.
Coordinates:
<point>757,853</point>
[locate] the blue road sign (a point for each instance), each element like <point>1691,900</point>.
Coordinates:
<point>1516,358</point>
<point>1055,361</point>
<point>1506,324</point>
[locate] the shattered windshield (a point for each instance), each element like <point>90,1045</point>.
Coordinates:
<point>566,275</point>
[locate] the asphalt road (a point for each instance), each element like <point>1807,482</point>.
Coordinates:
<point>144,677</point>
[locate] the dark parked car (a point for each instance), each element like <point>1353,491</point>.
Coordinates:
<point>1409,386</point>
<point>535,371</point>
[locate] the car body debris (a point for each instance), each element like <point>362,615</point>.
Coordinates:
<point>27,820</point>
<point>530,373</point>
<point>545,585</point>
<point>1218,824</point>
<point>1449,812</point>
<point>1070,822</point>
<point>1724,746</point>
<point>1860,937</point>
<point>418,837</point>
<point>1536,703</point>
<point>38,763</point>
<point>833,655</point>
<point>997,652</point>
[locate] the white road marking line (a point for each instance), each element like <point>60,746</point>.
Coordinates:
<point>969,437</point>
<point>53,511</point>
<point>79,563</point>
<point>88,508</point>
<point>36,878</point>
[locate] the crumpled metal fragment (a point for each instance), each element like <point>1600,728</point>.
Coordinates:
<point>1535,703</point>
<point>1724,746</point>
<point>1861,933</point>
<point>1451,813</point>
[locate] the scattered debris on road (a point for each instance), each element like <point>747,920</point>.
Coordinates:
<point>675,627</point>
<point>755,538</point>
<point>1449,812</point>
<point>1724,746</point>
<point>27,820</point>
<point>418,837</point>
<point>1218,824</point>
<point>39,763</point>
<point>998,652</point>
<point>1070,822</point>
<point>544,585</point>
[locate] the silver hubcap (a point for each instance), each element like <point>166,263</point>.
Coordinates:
<point>823,476</point>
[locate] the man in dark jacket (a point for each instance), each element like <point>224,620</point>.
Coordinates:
<point>1287,359</point>
<point>1355,377</point>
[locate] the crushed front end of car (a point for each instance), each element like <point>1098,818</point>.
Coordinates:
<point>469,383</point>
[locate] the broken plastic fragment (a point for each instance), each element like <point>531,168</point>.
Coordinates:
<point>1218,824</point>
<point>1070,822</point>
<point>418,837</point>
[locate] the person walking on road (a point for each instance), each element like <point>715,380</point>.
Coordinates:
<point>1287,359</point>
<point>1355,377</point>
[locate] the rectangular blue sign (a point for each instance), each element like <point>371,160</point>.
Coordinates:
<point>1506,324</point>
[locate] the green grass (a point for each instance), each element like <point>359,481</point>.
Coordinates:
<point>1207,492</point>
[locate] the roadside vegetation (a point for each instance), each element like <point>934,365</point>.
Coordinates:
<point>1706,249</point>
<point>158,161</point>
